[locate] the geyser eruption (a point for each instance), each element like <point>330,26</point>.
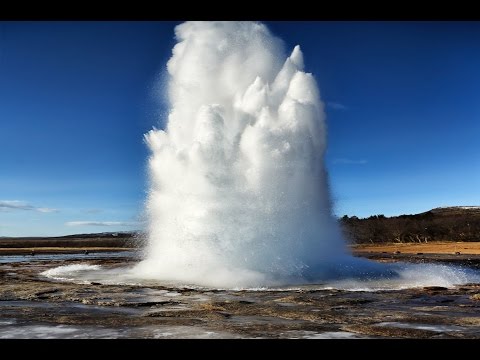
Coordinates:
<point>239,195</point>
<point>239,192</point>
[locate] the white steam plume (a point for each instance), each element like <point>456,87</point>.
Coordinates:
<point>239,193</point>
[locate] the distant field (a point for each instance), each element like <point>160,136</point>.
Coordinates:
<point>59,250</point>
<point>67,244</point>
<point>438,247</point>
<point>102,242</point>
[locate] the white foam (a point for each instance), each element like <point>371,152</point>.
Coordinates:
<point>70,272</point>
<point>406,276</point>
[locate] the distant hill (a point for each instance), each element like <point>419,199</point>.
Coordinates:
<point>456,210</point>
<point>106,239</point>
<point>117,234</point>
<point>455,223</point>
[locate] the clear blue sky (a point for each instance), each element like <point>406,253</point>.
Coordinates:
<point>403,112</point>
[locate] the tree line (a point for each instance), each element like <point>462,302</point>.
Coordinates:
<point>442,224</point>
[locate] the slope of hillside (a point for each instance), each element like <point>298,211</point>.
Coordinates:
<point>457,223</point>
<point>108,240</point>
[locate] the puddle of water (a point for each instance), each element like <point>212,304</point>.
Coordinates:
<point>147,295</point>
<point>7,259</point>
<point>428,327</point>
<point>67,307</point>
<point>10,329</point>
<point>403,276</point>
<point>190,332</point>
<point>335,335</point>
<point>324,335</point>
<point>42,331</point>
<point>7,322</point>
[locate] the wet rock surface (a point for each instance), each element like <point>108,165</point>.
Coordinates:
<point>34,306</point>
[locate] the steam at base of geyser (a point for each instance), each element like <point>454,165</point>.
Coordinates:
<point>395,276</point>
<point>239,195</point>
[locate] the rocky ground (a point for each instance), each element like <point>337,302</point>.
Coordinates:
<point>34,306</point>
